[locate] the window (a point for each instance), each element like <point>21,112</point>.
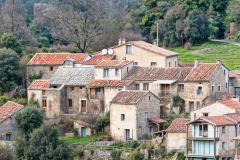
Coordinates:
<point>223,129</point>
<point>226,85</point>
<point>137,86</point>
<point>128,49</point>
<point>153,64</point>
<point>122,117</point>
<point>116,72</point>
<point>54,86</point>
<point>43,92</point>
<point>200,130</point>
<point>198,104</point>
<point>175,64</point>
<point>51,68</point>
<point>72,88</point>
<point>70,103</point>
<point>44,103</point>
<point>127,69</point>
<point>212,89</point>
<point>219,88</point>
<point>169,64</point>
<point>191,105</point>
<point>105,72</point>
<point>180,87</point>
<point>146,115</point>
<point>97,92</point>
<point>8,137</point>
<point>81,87</point>
<point>205,130</point>
<point>149,98</point>
<point>205,114</point>
<point>224,72</point>
<point>195,115</point>
<point>83,106</point>
<point>145,86</point>
<point>135,63</point>
<point>223,145</point>
<point>199,91</point>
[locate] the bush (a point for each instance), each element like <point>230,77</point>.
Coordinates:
<point>45,50</point>
<point>102,122</point>
<point>136,155</point>
<point>8,40</point>
<point>3,100</point>
<point>132,144</point>
<point>44,41</point>
<point>78,152</point>
<point>6,152</point>
<point>116,154</point>
<point>34,76</point>
<point>181,156</point>
<point>146,136</point>
<point>22,101</point>
<point>75,132</point>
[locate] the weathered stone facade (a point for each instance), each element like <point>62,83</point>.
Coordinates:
<point>8,129</point>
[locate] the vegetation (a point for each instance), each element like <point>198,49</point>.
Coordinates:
<point>9,41</point>
<point>209,52</point>
<point>6,152</point>
<point>102,122</point>
<point>116,154</point>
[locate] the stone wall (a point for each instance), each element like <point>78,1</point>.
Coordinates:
<point>176,141</point>
<point>8,126</point>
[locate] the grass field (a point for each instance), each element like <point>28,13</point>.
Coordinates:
<point>81,141</point>
<point>208,52</point>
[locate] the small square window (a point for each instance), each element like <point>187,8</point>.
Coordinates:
<point>205,114</point>
<point>128,49</point>
<point>219,88</point>
<point>145,86</point>
<point>122,117</point>
<point>106,72</point>
<point>153,64</point>
<point>116,72</point>
<point>135,63</point>
<point>180,87</point>
<point>146,115</point>
<point>137,86</point>
<point>8,137</point>
<point>72,88</point>
<point>70,103</point>
<point>223,129</point>
<point>199,91</point>
<point>44,103</point>
<point>51,68</point>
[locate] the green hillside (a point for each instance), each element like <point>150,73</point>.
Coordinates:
<point>229,54</point>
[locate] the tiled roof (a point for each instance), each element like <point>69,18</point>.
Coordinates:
<point>56,58</point>
<point>234,116</point>
<point>153,74</point>
<point>113,63</point>
<point>185,65</point>
<point>96,58</point>
<point>178,125</point>
<point>128,97</point>
<point>8,109</point>
<point>77,75</point>
<point>231,104</point>
<point>152,48</point>
<point>202,72</point>
<point>156,120</point>
<point>232,75</point>
<point>109,83</point>
<point>219,120</point>
<point>39,85</point>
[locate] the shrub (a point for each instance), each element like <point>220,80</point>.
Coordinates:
<point>146,136</point>
<point>116,154</point>
<point>75,132</point>
<point>34,76</point>
<point>136,155</point>
<point>6,152</point>
<point>181,156</point>
<point>102,122</point>
<point>78,152</point>
<point>3,100</point>
<point>132,144</point>
<point>22,101</point>
<point>8,40</point>
<point>45,50</point>
<point>44,41</point>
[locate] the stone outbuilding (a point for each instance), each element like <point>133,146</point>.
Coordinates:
<point>8,126</point>
<point>84,129</point>
<point>130,112</point>
<point>176,135</point>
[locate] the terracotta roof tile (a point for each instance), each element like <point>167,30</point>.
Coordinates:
<point>153,74</point>
<point>235,117</point>
<point>8,109</point>
<point>96,58</point>
<point>113,63</point>
<point>202,72</point>
<point>109,83</point>
<point>156,120</point>
<point>152,48</point>
<point>56,58</point>
<point>219,120</point>
<point>178,125</point>
<point>128,97</point>
<point>231,104</point>
<point>232,75</point>
<point>39,85</point>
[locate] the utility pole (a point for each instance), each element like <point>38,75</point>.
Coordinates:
<point>157,35</point>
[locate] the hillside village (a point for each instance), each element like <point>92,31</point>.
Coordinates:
<point>139,87</point>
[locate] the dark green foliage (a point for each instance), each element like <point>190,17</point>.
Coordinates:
<point>3,100</point>
<point>9,69</point>
<point>196,27</point>
<point>34,76</point>
<point>116,154</point>
<point>179,102</point>
<point>44,144</point>
<point>6,152</point>
<point>28,119</point>
<point>8,40</point>
<point>102,122</point>
<point>44,41</point>
<point>181,156</point>
<point>128,144</point>
<point>136,155</point>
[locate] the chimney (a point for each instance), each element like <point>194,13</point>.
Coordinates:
<point>218,61</point>
<point>120,41</point>
<point>155,43</point>
<point>124,88</point>
<point>196,63</point>
<point>123,40</point>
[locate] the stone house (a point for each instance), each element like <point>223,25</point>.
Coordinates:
<point>132,114</point>
<point>8,126</point>
<point>211,138</point>
<point>67,92</point>
<point>176,135</point>
<point>144,54</point>
<point>84,129</point>
<point>45,64</point>
<point>203,83</point>
<point>218,108</point>
<point>234,84</point>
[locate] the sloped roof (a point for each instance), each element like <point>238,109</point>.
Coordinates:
<point>152,48</point>
<point>129,97</point>
<point>230,103</point>
<point>39,85</point>
<point>113,63</point>
<point>219,120</point>
<point>77,75</point>
<point>56,58</point>
<point>153,74</point>
<point>234,116</point>
<point>8,109</point>
<point>96,58</point>
<point>109,83</point>
<point>178,125</point>
<point>202,72</point>
<point>156,120</point>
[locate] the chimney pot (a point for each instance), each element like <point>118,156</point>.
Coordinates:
<point>196,63</point>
